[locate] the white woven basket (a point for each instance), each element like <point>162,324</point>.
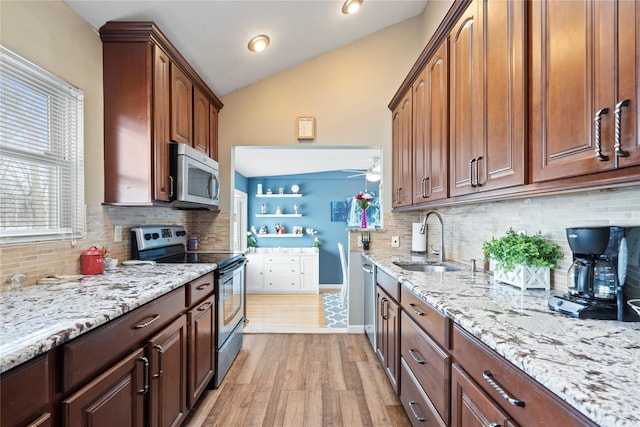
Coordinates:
<point>525,277</point>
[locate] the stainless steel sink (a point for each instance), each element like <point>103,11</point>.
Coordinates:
<point>428,267</point>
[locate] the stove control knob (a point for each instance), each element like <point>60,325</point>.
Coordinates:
<point>147,236</point>
<point>156,236</point>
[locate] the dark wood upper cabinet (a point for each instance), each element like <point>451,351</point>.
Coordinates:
<point>488,95</point>
<point>584,78</point>
<point>431,129</point>
<point>181,107</point>
<point>149,102</point>
<point>162,134</point>
<point>213,132</point>
<point>200,121</point>
<point>402,135</point>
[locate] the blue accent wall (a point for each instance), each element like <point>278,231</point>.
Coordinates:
<point>318,191</point>
<point>241,182</point>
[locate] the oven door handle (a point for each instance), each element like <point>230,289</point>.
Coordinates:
<point>229,268</point>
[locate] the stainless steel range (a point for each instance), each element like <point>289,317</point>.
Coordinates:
<point>166,244</point>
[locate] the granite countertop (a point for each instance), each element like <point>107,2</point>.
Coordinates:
<point>37,318</point>
<point>591,364</point>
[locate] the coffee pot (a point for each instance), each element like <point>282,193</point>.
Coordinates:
<point>592,278</point>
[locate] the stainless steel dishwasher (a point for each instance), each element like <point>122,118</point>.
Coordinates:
<point>369,271</point>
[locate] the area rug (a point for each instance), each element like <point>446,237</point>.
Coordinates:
<point>334,315</point>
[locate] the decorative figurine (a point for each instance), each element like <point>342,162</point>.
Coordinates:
<point>295,208</point>
<point>281,190</point>
<point>278,211</point>
<point>279,228</point>
<point>263,209</point>
<point>263,230</point>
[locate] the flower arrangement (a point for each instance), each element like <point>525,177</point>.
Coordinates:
<point>364,200</point>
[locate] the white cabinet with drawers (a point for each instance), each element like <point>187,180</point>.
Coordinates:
<point>283,271</point>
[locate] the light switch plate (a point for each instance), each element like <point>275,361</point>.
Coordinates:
<point>395,241</point>
<point>117,233</point>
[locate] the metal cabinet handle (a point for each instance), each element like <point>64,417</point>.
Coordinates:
<point>477,183</point>
<point>170,186</point>
<point>471,172</point>
<point>618,125</point>
<point>160,350</point>
<point>145,387</point>
<point>415,310</point>
<point>205,306</point>
<point>203,286</point>
<point>382,314</point>
<point>154,317</point>
<point>598,125</point>
<point>488,377</point>
<point>398,195</point>
<point>425,193</point>
<point>495,425</point>
<point>414,413</point>
<point>414,354</point>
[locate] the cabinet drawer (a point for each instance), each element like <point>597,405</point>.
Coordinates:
<point>281,259</point>
<point>25,392</point>
<point>389,283</point>
<point>282,284</point>
<point>429,319</point>
<point>289,269</point>
<point>429,364</point>
<point>418,407</point>
<point>541,407</point>
<point>91,354</point>
<point>199,288</point>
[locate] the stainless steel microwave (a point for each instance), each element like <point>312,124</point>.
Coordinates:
<point>195,177</point>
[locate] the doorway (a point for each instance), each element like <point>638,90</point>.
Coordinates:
<point>285,169</point>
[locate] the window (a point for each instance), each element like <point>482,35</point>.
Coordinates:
<point>41,154</point>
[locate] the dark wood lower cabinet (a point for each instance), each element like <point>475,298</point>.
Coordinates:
<point>115,398</point>
<point>388,335</point>
<point>168,375</point>
<point>419,408</point>
<point>471,406</point>
<point>25,394</point>
<point>201,348</point>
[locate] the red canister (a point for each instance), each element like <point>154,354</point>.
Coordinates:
<point>92,261</point>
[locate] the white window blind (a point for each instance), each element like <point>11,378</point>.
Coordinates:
<point>41,154</point>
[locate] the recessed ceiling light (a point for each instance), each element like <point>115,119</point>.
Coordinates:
<point>351,6</point>
<point>259,43</point>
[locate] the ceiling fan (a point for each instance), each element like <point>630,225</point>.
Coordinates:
<point>372,173</point>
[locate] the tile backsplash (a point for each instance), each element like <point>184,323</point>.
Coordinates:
<point>467,226</point>
<point>43,259</point>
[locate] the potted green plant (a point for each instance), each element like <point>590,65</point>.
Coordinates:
<point>522,260</point>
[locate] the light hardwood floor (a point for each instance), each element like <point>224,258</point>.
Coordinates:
<point>284,311</point>
<point>302,380</point>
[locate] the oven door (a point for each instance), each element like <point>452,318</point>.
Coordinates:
<point>231,295</point>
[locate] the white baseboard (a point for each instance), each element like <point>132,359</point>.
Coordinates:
<point>355,329</point>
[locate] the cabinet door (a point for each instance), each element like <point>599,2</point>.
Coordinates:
<point>168,372</point>
<point>502,162</point>
<point>201,348</point>
<point>254,273</point>
<point>387,336</point>
<point>181,106</point>
<point>401,146</point>
<point>161,126</point>
<point>213,132</point>
<point>200,121</point>
<point>465,81</point>
<point>25,392</point>
<point>574,96</point>
<point>431,129</point>
<point>309,274</point>
<point>471,406</point>
<point>115,398</point>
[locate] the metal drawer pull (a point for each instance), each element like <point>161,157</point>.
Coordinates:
<point>154,317</point>
<point>471,172</point>
<point>416,311</point>
<point>145,387</point>
<point>488,377</point>
<point>382,314</point>
<point>203,286</point>
<point>415,353</point>
<point>618,124</point>
<point>495,425</point>
<point>598,125</point>
<point>415,414</point>
<point>171,186</point>
<point>160,351</point>
<point>205,306</point>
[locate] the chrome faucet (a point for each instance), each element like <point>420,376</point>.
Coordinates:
<point>424,227</point>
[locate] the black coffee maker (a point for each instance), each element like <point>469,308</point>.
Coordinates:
<point>604,274</point>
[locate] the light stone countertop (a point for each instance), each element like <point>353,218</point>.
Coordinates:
<point>594,365</point>
<point>37,318</point>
